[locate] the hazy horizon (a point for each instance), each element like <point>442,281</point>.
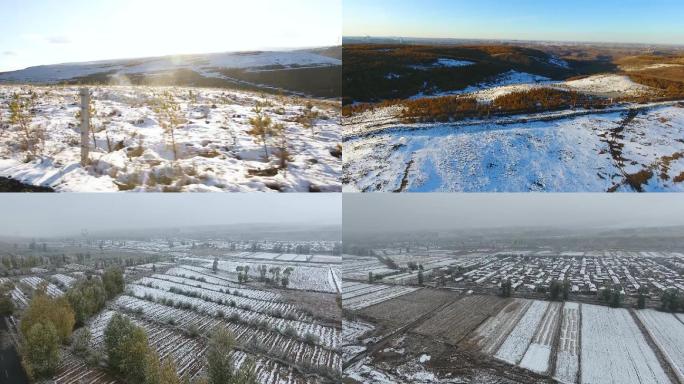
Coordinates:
<point>630,21</point>
<point>563,42</point>
<point>56,215</point>
<point>71,31</point>
<point>387,213</point>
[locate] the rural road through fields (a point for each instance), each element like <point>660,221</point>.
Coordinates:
<point>11,370</point>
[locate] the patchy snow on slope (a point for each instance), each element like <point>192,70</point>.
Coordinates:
<point>557,61</point>
<point>443,63</point>
<point>606,85</point>
<point>452,63</point>
<point>214,148</point>
<point>562,154</point>
<point>632,68</point>
<point>507,78</point>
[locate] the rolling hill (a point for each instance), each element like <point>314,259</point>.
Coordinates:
<point>305,72</point>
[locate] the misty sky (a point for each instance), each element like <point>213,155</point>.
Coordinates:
<point>420,212</point>
<point>625,21</point>
<point>35,215</point>
<point>41,32</point>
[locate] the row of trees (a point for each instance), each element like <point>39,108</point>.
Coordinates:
<point>6,303</point>
<point>443,109</point>
<point>277,276</point>
<point>48,322</point>
<point>668,88</point>
<point>131,357</point>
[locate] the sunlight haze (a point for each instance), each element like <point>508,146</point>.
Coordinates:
<point>51,32</point>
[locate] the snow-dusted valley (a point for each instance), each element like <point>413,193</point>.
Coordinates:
<point>542,126</point>
<point>276,297</point>
<point>169,139</point>
<point>433,315</point>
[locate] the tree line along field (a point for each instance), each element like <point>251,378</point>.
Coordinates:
<point>169,139</point>
<point>563,341</point>
<point>283,319</point>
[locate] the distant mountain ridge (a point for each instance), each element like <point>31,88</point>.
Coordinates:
<point>314,72</point>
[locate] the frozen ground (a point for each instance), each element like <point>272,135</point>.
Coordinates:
<point>214,149</point>
<point>582,152</point>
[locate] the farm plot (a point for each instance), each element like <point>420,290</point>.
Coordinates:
<point>612,332</point>
<point>353,330</point>
<point>204,275</point>
<point>188,353</point>
<point>17,296</point>
<point>461,317</point>
<point>538,353</point>
<point>309,278</point>
<point>668,334</point>
<point>328,336</point>
<point>513,349</point>
<point>226,287</point>
<point>567,357</point>
<point>262,306</point>
<point>63,280</point>
<point>491,334</point>
<point>376,293</point>
<point>74,370</point>
<point>409,307</point>
<point>34,282</point>
<point>269,341</point>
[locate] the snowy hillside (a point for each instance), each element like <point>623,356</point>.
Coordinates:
<point>635,148</point>
<point>215,146</point>
<point>205,64</point>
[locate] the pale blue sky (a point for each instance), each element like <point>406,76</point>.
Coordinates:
<point>37,32</point>
<point>640,21</point>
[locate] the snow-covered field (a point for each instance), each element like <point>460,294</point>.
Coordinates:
<point>356,296</point>
<point>567,359</point>
<point>493,332</point>
<point>538,354</point>
<point>129,149</point>
<point>612,332</point>
<point>513,349</point>
<point>668,334</point>
<point>591,152</point>
<point>34,282</point>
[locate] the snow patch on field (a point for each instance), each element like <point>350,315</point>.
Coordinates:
<point>606,85</point>
<point>668,334</point>
<point>612,332</point>
<point>513,349</point>
<point>567,357</point>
